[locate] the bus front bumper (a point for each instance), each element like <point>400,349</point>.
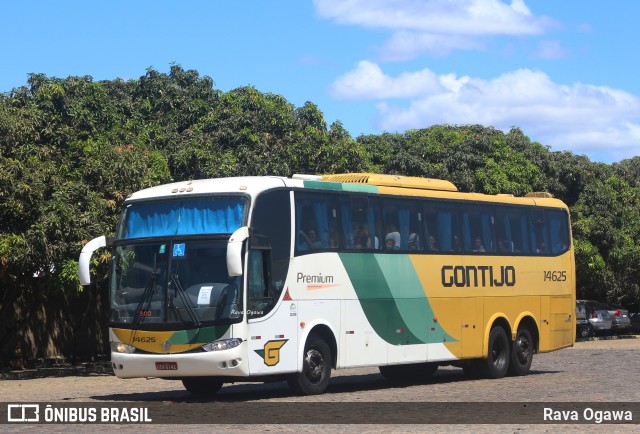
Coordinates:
<point>227,363</point>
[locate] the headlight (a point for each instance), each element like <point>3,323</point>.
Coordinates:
<point>224,344</point>
<point>119,347</point>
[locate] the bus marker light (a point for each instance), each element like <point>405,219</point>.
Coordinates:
<point>256,338</point>
<point>350,332</point>
<point>279,336</point>
<point>302,324</point>
<point>435,319</point>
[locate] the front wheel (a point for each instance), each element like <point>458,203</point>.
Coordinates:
<point>316,368</point>
<point>202,387</point>
<point>496,364</point>
<point>521,353</point>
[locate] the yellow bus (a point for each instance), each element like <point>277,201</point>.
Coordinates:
<point>272,278</point>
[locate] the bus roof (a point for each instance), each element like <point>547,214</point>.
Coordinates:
<point>250,185</point>
<point>354,182</point>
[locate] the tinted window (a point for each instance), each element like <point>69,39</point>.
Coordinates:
<point>360,223</point>
<point>442,228</point>
<point>477,226</point>
<point>511,229</point>
<point>316,223</point>
<point>559,228</point>
<point>402,225</point>
<point>272,220</point>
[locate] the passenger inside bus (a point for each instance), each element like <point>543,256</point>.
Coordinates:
<point>392,241</point>
<point>414,242</point>
<point>433,244</point>
<point>477,245</point>
<point>308,241</point>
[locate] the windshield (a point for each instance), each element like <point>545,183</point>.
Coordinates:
<point>173,284</point>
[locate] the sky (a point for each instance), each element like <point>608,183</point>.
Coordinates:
<point>566,72</point>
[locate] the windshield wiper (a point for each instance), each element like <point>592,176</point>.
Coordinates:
<point>185,301</point>
<point>147,295</point>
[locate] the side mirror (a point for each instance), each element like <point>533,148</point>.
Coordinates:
<point>85,257</point>
<point>234,251</point>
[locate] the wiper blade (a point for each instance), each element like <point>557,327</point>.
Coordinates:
<point>147,295</point>
<point>185,301</point>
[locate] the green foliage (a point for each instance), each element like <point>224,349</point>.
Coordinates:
<point>607,219</point>
<point>71,151</point>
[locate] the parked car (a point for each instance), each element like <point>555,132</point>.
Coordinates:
<point>620,318</point>
<point>592,318</point>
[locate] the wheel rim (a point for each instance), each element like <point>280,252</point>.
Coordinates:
<point>499,354</point>
<point>314,364</point>
<point>523,349</point>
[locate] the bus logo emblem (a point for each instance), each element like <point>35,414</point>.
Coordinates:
<point>271,352</point>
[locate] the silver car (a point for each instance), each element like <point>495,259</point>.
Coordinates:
<point>592,318</point>
<point>620,318</point>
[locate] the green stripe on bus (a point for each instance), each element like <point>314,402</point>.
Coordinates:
<point>392,298</point>
<point>323,185</point>
<point>376,299</point>
<point>362,188</point>
<point>195,336</point>
<point>406,289</point>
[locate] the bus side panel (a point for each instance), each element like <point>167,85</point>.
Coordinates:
<point>471,326</point>
<point>561,331</point>
<point>359,344</point>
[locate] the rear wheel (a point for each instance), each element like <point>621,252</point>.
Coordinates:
<point>316,368</point>
<point>521,353</point>
<point>496,364</point>
<point>202,387</point>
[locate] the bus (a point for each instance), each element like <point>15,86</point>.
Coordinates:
<point>286,279</point>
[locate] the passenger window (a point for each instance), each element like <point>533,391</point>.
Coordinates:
<point>316,223</point>
<point>442,228</point>
<point>360,223</point>
<point>559,228</point>
<point>477,224</point>
<point>511,229</point>
<point>539,236</point>
<point>403,225</point>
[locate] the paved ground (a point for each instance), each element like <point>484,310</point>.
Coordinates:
<point>594,371</point>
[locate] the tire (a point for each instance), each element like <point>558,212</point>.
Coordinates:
<point>522,351</point>
<point>316,368</point>
<point>496,365</point>
<point>202,387</point>
<point>412,372</point>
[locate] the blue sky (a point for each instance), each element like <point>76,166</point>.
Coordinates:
<point>564,71</point>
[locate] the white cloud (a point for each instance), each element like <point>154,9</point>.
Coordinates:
<point>578,117</point>
<point>436,26</point>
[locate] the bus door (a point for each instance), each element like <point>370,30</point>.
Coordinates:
<point>272,333</point>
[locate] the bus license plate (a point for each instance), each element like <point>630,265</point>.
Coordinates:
<point>167,366</point>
